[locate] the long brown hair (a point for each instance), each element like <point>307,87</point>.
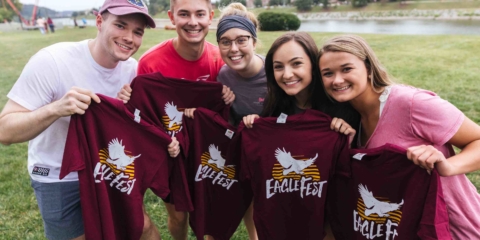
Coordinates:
<point>277,100</point>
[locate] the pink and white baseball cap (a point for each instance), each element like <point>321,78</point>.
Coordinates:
<point>125,7</point>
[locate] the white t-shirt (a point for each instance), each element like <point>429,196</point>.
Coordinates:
<point>46,78</point>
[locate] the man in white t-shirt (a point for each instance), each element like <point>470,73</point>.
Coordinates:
<point>58,81</point>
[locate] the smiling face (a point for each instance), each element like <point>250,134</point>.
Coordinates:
<point>120,36</point>
<point>293,70</point>
<point>344,76</point>
<point>192,19</point>
<point>238,58</point>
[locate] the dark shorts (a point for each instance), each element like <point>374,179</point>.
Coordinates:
<point>59,205</point>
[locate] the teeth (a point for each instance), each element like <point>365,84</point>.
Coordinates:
<point>236,58</point>
<point>343,88</point>
<point>193,31</point>
<point>291,83</point>
<point>123,46</point>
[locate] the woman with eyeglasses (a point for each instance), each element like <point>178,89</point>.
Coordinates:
<point>244,71</point>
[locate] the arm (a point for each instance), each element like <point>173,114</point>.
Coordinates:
<point>18,124</point>
<point>466,138</point>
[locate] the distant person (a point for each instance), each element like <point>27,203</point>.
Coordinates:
<point>75,24</point>
<point>51,25</point>
<point>41,25</point>
<point>57,82</point>
<point>45,25</point>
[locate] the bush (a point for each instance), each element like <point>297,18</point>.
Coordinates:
<point>273,21</point>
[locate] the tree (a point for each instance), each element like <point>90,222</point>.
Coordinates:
<point>156,6</point>
<point>6,11</point>
<point>274,2</point>
<point>258,3</point>
<point>359,3</point>
<point>226,2</point>
<point>324,4</point>
<point>304,5</point>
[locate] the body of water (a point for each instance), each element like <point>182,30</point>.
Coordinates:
<point>406,26</point>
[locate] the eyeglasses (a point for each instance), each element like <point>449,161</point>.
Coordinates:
<point>241,41</point>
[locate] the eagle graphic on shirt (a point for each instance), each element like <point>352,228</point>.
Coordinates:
<point>173,119</point>
<point>377,209</point>
<point>289,166</point>
<point>118,159</point>
<point>214,159</point>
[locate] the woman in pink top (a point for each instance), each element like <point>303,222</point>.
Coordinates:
<point>415,119</point>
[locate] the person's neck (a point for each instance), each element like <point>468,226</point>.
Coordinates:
<point>368,106</point>
<point>100,55</point>
<point>253,68</point>
<point>188,51</point>
<point>301,100</point>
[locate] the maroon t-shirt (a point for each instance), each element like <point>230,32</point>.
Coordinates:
<point>218,198</point>
<point>162,100</point>
<point>117,160</point>
<point>289,167</point>
<point>387,197</point>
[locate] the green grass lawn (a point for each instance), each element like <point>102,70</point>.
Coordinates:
<point>448,65</point>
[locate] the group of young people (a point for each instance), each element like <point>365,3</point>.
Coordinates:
<point>343,79</point>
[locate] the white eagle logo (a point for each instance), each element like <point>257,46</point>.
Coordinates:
<point>215,157</point>
<point>117,156</point>
<point>173,114</point>
<point>375,206</point>
<point>291,164</point>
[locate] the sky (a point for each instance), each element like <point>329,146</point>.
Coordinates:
<point>64,5</point>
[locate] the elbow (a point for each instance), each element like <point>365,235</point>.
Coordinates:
<point>5,141</point>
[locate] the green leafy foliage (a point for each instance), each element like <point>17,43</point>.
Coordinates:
<point>277,21</point>
<point>303,5</point>
<point>6,11</point>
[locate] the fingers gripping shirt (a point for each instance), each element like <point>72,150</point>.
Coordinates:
<point>220,201</point>
<point>117,159</point>
<point>387,197</point>
<point>289,167</point>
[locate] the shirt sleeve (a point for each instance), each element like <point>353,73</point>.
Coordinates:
<point>434,119</point>
<point>342,160</point>
<point>73,159</point>
<point>37,83</point>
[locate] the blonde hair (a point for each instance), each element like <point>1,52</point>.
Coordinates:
<point>238,9</point>
<point>356,45</point>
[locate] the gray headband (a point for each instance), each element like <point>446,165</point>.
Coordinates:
<point>235,21</point>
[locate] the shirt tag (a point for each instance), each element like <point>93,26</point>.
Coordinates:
<point>137,115</point>
<point>40,171</point>
<point>229,133</point>
<point>137,119</point>
<point>359,156</point>
<point>282,118</point>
